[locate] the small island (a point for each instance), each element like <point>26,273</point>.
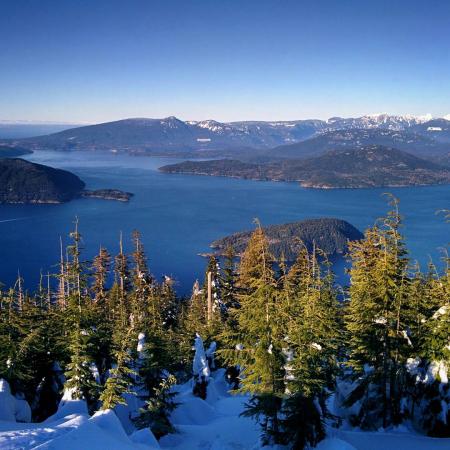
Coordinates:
<point>329,234</point>
<point>108,194</point>
<point>367,167</point>
<point>26,182</point>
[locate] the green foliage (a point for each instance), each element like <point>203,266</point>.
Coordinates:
<point>119,381</point>
<point>80,380</point>
<point>161,404</point>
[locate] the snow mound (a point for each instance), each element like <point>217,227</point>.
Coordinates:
<point>145,436</point>
<point>69,407</point>
<point>193,411</point>
<point>127,412</point>
<point>12,409</point>
<point>102,431</point>
<point>334,444</point>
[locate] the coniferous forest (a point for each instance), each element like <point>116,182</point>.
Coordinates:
<point>309,353</point>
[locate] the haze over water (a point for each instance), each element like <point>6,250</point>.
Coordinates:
<point>180,215</point>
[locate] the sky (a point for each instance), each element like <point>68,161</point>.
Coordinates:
<point>89,61</point>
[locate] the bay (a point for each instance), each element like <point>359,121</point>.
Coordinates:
<point>180,215</point>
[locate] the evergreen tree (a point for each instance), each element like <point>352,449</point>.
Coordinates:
<point>80,380</point>
<point>121,378</point>
<point>228,280</point>
<point>377,320</point>
<point>156,414</point>
<point>257,343</point>
<point>432,393</point>
<point>101,314</point>
<point>311,314</point>
<point>122,273</point>
<point>142,284</point>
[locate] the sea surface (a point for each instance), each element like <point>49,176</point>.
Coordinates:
<point>180,215</point>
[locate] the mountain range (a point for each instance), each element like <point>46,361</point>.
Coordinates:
<point>171,136</point>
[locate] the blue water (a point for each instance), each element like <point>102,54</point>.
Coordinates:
<point>179,215</point>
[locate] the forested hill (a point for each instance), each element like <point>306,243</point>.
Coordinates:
<point>370,166</point>
<point>424,146</point>
<point>330,235</point>
<point>26,182</point>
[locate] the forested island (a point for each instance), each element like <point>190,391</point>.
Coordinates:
<point>286,240</point>
<point>23,181</point>
<point>367,167</point>
<point>107,194</point>
<point>305,356</point>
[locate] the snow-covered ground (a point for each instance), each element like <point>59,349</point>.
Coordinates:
<point>212,424</point>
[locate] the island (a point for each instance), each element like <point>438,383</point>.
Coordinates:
<point>367,167</point>
<point>329,234</point>
<point>108,194</point>
<point>26,182</point>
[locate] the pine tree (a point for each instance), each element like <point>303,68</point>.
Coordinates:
<point>101,314</point>
<point>120,379</point>
<point>432,392</point>
<point>228,280</point>
<point>156,414</point>
<point>100,266</point>
<point>257,344</point>
<point>142,283</point>
<point>80,380</point>
<point>213,268</point>
<point>122,272</point>
<point>311,315</point>
<point>377,321</point>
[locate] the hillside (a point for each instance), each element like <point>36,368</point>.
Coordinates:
<point>172,136</point>
<point>370,166</point>
<point>7,151</point>
<point>437,129</point>
<point>416,144</point>
<point>26,182</point>
<point>330,235</point>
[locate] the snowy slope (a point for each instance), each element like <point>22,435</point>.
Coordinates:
<point>212,424</point>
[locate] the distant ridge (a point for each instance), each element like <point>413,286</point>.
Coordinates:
<point>172,136</point>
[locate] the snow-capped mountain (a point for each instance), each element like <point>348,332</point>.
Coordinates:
<point>170,134</point>
<point>383,120</point>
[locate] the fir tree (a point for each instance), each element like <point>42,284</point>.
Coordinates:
<point>311,315</point>
<point>257,343</point>
<point>101,314</point>
<point>80,380</point>
<point>156,414</point>
<point>228,280</point>
<point>120,379</point>
<point>378,322</point>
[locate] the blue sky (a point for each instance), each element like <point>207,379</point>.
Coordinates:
<point>100,60</point>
